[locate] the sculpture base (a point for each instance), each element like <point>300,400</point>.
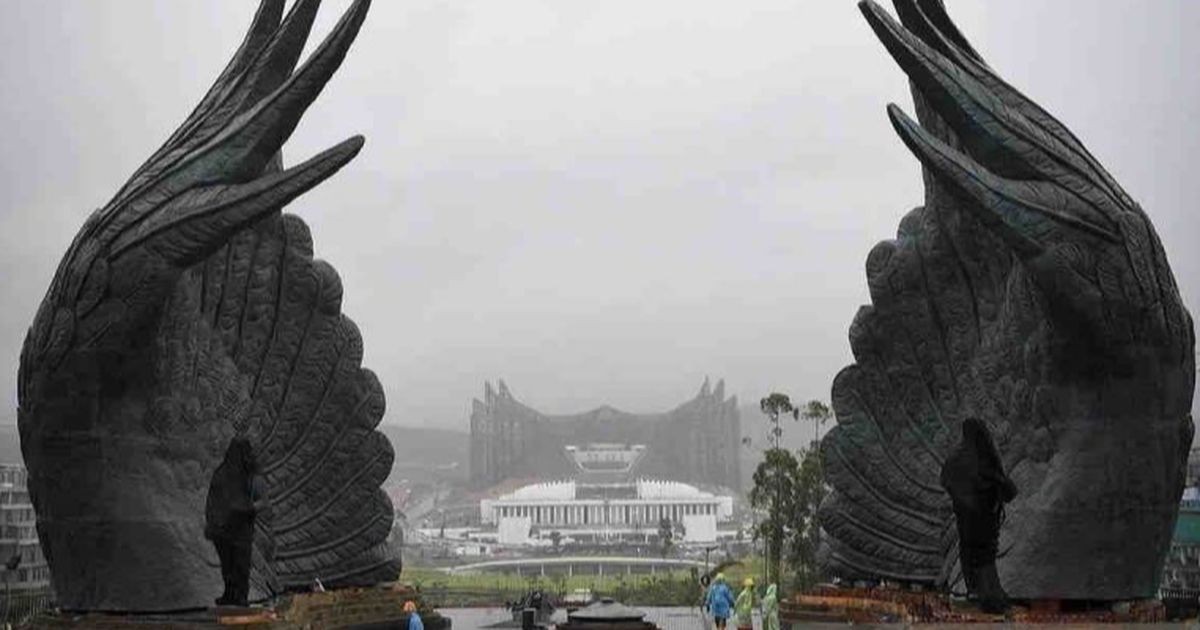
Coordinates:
<point>879,605</point>
<point>381,607</point>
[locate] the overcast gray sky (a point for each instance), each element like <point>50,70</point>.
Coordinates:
<point>600,202</point>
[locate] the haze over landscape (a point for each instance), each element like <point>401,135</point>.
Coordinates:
<point>600,203</point>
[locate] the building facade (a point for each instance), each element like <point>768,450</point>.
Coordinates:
<point>18,533</point>
<point>1193,468</point>
<point>633,509</point>
<point>1181,568</point>
<point>697,442</point>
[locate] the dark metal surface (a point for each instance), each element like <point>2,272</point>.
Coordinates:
<point>1030,291</point>
<point>188,310</point>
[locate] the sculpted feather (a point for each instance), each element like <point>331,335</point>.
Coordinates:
<point>189,310</point>
<point>1032,292</point>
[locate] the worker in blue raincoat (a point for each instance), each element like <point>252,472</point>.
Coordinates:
<point>719,601</point>
<point>414,617</point>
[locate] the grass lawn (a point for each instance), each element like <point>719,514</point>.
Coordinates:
<point>492,589</point>
<point>677,588</point>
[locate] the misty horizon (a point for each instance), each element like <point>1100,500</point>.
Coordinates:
<point>598,204</point>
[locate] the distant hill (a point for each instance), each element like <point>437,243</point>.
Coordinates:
<point>10,444</point>
<point>424,453</point>
<point>420,452</point>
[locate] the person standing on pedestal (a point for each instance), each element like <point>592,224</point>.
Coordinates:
<point>974,478</point>
<point>236,495</point>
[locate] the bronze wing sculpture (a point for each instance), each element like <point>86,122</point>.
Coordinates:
<point>1032,292</point>
<point>189,310</point>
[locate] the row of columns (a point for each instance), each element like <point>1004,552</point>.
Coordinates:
<point>541,570</point>
<point>605,514</point>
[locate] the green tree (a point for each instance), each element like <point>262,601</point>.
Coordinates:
<point>774,407</point>
<point>788,489</point>
<point>775,495</point>
<point>776,483</point>
<point>666,536</point>
<point>818,413</point>
<point>803,545</point>
<point>814,490</point>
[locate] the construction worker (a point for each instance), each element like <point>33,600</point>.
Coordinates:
<point>743,609</point>
<point>414,619</point>
<point>770,609</point>
<point>719,601</point>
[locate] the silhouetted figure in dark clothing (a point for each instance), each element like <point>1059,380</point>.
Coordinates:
<point>974,477</point>
<point>235,497</point>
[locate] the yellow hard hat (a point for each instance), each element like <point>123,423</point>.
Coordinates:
<point>748,582</point>
<point>720,577</point>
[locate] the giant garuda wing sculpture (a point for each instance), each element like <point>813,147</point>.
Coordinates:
<point>1031,291</point>
<point>188,310</point>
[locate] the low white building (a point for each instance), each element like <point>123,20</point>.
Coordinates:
<point>606,510</point>
<point>18,531</point>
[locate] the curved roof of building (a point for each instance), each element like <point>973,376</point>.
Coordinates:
<point>549,491</point>
<point>566,491</point>
<point>650,489</point>
<point>502,395</point>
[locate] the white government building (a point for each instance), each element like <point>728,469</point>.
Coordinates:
<point>18,532</point>
<point>621,509</point>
